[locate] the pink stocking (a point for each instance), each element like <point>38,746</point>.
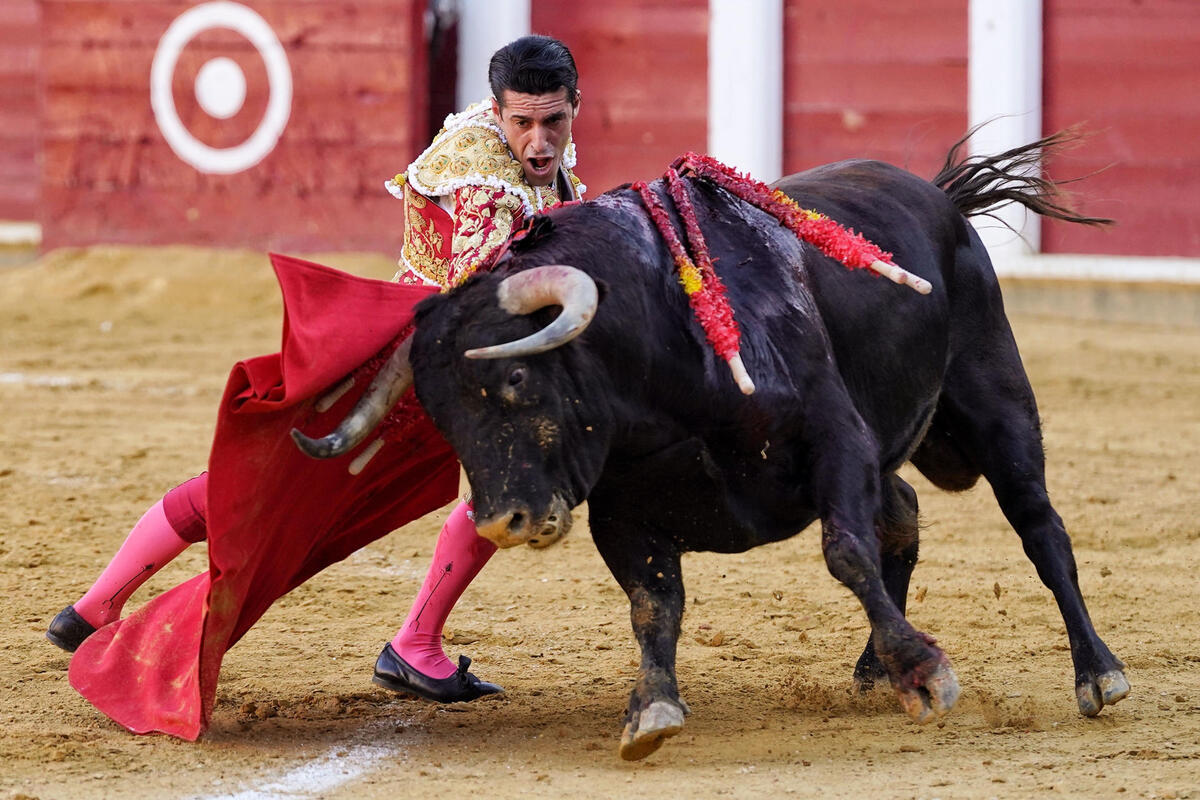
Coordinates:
<point>151,544</point>
<point>459,555</point>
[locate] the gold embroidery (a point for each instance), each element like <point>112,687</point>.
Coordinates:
<point>408,277</point>
<point>547,196</point>
<point>424,246</point>
<point>469,159</point>
<point>476,148</point>
<point>453,156</point>
<point>483,220</point>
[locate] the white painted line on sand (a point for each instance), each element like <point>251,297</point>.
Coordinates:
<point>102,384</point>
<point>367,562</point>
<point>341,763</point>
<point>21,379</point>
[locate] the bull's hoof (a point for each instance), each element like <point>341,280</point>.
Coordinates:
<point>932,700</point>
<point>646,731</point>
<point>1105,690</point>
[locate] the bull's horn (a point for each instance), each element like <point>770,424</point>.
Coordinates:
<point>552,285</point>
<point>391,382</point>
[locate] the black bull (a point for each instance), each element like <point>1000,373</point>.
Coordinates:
<point>855,375</point>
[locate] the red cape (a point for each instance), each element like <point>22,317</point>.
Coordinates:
<point>275,516</point>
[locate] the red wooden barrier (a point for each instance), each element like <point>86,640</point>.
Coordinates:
<point>1129,71</point>
<point>861,78</point>
<point>643,71</point>
<point>871,79</point>
<point>358,116</point>
<point>19,117</point>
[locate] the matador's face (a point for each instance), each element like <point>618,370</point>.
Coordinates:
<point>537,127</point>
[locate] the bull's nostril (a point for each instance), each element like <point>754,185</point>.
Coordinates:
<point>516,522</point>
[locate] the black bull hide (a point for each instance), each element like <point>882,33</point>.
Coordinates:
<point>855,375</point>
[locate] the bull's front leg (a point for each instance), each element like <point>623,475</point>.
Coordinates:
<point>648,569</point>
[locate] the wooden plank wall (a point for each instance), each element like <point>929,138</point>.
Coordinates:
<point>19,113</point>
<point>358,116</point>
<point>1129,70</point>
<point>872,79</point>
<point>643,67</point>
<point>862,78</point>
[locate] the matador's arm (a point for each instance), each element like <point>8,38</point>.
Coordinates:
<point>484,218</point>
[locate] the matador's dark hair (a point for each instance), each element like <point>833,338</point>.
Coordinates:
<point>533,65</point>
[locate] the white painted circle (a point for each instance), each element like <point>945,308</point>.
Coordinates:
<point>221,88</point>
<point>194,21</point>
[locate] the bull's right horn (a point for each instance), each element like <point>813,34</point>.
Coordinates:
<point>551,285</point>
<point>389,385</point>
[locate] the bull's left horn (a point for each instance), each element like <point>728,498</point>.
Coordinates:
<point>552,285</point>
<point>390,383</point>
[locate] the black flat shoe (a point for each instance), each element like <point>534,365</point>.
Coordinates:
<point>68,630</point>
<point>393,672</point>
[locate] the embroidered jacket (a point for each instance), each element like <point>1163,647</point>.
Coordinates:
<point>465,195</point>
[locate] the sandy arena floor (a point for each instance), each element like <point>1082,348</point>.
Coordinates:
<point>111,365</point>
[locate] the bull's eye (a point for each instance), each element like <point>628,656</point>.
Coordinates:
<point>517,376</point>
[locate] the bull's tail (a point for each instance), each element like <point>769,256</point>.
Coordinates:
<point>978,185</point>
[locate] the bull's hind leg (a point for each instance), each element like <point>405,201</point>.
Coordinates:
<point>647,567</point>
<point>988,408</point>
<point>898,540</point>
<point>845,479</point>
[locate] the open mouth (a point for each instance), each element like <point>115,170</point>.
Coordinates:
<point>540,164</point>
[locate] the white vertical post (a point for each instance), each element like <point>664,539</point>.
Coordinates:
<point>1004,88</point>
<point>484,26</point>
<point>745,85</point>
